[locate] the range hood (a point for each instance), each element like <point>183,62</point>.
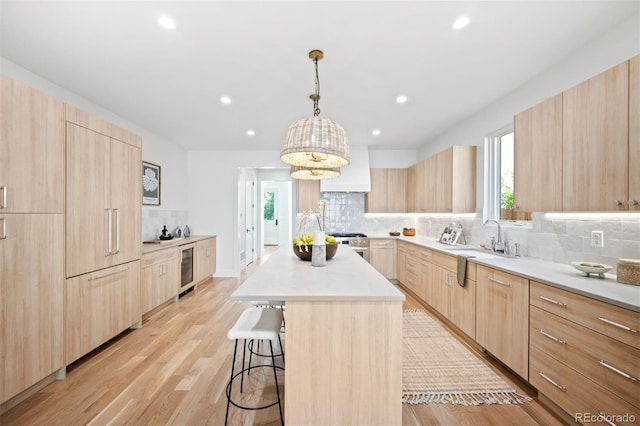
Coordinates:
<point>355,177</point>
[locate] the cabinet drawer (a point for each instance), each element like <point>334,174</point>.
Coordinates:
<point>608,362</point>
<point>450,263</point>
<point>613,321</point>
<point>159,256</point>
<point>573,392</point>
<point>382,243</point>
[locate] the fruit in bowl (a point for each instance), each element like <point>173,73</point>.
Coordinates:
<point>303,246</point>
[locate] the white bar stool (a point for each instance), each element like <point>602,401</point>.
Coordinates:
<point>255,324</point>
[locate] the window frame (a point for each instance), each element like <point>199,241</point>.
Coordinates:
<point>493,175</point>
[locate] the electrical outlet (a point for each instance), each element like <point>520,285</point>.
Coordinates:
<point>597,239</point>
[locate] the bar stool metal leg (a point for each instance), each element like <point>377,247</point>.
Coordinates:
<point>275,376</point>
<point>233,363</point>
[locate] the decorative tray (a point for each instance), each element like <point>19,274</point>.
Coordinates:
<point>588,268</point>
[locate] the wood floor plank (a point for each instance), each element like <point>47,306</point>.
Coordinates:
<point>174,371</point>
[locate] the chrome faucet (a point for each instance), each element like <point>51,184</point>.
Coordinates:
<point>496,246</point>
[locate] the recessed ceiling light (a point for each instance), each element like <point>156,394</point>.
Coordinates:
<point>225,100</point>
<point>251,132</point>
<point>401,99</point>
<point>167,23</point>
<point>375,132</point>
<point>461,22</point>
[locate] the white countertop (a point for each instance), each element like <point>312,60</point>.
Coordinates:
<point>557,275</point>
<point>347,276</point>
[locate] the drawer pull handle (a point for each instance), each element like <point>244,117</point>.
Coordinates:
<point>562,388</point>
<point>615,324</point>
<point>99,277</point>
<point>555,302</point>
<point>615,370</point>
<point>4,229</point>
<point>555,339</point>
<point>4,197</point>
<point>504,283</point>
<point>603,417</point>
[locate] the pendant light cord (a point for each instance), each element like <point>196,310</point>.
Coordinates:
<point>316,99</point>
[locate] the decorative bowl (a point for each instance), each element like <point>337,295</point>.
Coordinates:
<point>591,268</point>
<point>166,237</point>
<point>304,254</point>
<point>408,232</point>
<point>394,233</point>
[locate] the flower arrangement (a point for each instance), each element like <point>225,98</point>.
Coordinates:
<point>304,238</point>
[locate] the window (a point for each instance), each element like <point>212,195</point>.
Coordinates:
<point>268,206</point>
<point>499,175</point>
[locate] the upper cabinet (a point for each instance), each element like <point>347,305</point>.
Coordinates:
<point>31,143</point>
<point>308,194</point>
<point>446,182</point>
<point>595,142</point>
<point>634,134</point>
<point>538,157</point>
<point>388,191</point>
<point>103,220</point>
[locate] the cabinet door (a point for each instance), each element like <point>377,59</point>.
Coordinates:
<point>126,195</point>
<point>462,305</point>
<point>412,189</point>
<point>308,194</point>
<point>383,257</point>
<point>31,150</point>
<point>31,299</point>
<point>502,317</point>
<point>376,199</point>
<point>88,213</point>
<point>444,181</point>
<point>160,278</point>
<point>427,194</point>
<point>396,190</point>
<point>538,157</point>
<point>98,306</point>
<point>634,133</point>
<point>595,142</point>
<point>441,284</point>
<point>205,259</point>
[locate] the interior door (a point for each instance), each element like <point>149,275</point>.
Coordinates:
<point>270,215</point>
<point>249,221</point>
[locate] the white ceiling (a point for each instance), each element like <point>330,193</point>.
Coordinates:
<point>115,54</point>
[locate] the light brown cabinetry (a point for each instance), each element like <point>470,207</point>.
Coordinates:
<point>502,317</point>
<point>205,259</point>
<point>538,157</point>
<point>414,262</point>
<point>308,194</point>
<point>388,191</point>
<point>455,302</point>
<point>100,305</point>
<point>382,256</point>
<point>634,134</point>
<point>595,142</point>
<point>31,299</point>
<point>160,279</point>
<point>445,182</point>
<point>584,353</point>
<point>103,201</point>
<point>31,237</point>
<point>31,150</point>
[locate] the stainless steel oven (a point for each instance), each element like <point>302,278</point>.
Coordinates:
<point>357,241</point>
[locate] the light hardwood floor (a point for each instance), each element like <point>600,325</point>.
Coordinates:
<point>175,368</point>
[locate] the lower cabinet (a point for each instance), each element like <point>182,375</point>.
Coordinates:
<point>160,278</point>
<point>584,353</point>
<point>382,256</point>
<point>205,259</point>
<point>415,268</point>
<point>457,303</point>
<point>98,306</point>
<point>502,317</point>
<point>31,299</point>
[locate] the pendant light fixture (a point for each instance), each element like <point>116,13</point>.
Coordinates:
<point>314,173</point>
<point>316,143</point>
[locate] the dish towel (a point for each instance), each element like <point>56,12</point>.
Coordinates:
<point>462,268</point>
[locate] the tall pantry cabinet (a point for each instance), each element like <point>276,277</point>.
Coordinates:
<point>103,232</point>
<point>31,236</point>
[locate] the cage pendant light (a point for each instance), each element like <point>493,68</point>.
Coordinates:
<point>316,142</point>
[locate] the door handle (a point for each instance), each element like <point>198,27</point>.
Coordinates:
<point>276,222</point>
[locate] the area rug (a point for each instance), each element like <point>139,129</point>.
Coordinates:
<point>437,368</point>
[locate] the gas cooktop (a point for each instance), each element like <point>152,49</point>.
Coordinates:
<point>348,235</point>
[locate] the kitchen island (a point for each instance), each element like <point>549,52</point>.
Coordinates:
<point>343,341</point>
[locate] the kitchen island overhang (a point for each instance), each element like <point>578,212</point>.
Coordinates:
<point>343,341</point>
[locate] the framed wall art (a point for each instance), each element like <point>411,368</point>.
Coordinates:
<point>150,184</point>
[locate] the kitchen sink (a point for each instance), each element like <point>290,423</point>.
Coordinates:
<point>480,254</point>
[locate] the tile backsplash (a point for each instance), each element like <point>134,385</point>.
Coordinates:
<point>560,238</point>
<point>153,220</point>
